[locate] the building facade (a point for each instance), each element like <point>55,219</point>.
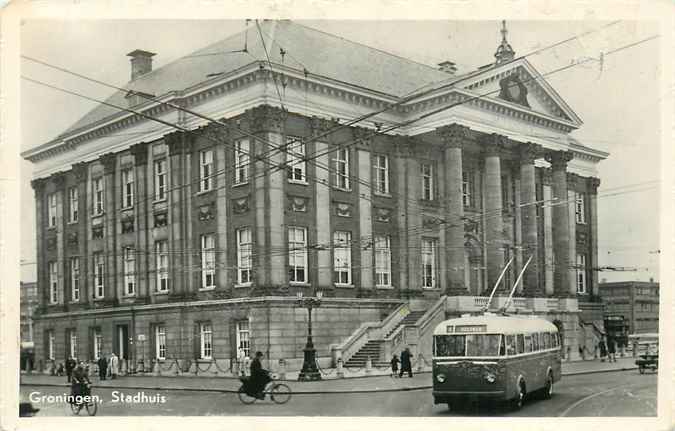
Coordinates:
<point>28,302</point>
<point>636,301</point>
<point>186,228</point>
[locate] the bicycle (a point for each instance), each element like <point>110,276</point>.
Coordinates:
<point>280,393</point>
<point>85,401</point>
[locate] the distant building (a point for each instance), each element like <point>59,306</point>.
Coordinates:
<point>636,301</point>
<point>28,302</point>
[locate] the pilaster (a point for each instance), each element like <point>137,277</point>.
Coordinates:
<point>494,146</point>
<point>112,289</point>
<point>529,152</point>
<point>141,209</point>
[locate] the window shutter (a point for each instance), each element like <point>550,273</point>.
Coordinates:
<point>152,345</point>
<point>45,344</point>
<point>92,341</point>
<point>196,342</point>
<point>67,343</point>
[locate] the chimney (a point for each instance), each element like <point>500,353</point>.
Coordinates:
<point>141,62</point>
<point>447,67</point>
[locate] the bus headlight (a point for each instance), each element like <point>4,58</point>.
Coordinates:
<point>490,378</point>
<point>440,378</point>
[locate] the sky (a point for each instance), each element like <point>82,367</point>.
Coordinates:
<point>617,96</point>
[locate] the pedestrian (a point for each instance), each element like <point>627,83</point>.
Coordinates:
<point>394,365</point>
<point>102,367</point>
<point>406,366</point>
<point>59,371</point>
<point>114,365</point>
<point>603,349</point>
<point>581,352</point>
<point>70,366</point>
<point>611,349</point>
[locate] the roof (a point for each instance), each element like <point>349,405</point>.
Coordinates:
<point>499,324</point>
<point>307,48</point>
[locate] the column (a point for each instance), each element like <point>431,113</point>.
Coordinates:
<point>112,289</point>
<point>528,216</point>
<point>59,180</point>
<point>268,123</point>
<point>571,219</point>
<point>322,197</point>
<point>561,239</point>
<point>401,211</point>
<point>81,172</point>
<point>593,184</point>
<point>365,217</point>
<point>41,270</point>
<point>414,221</point>
<point>145,249</point>
<point>454,137</point>
<point>176,192</point>
<point>548,238</point>
<point>494,235</point>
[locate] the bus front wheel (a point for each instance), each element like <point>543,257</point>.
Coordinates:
<point>548,389</point>
<point>519,400</point>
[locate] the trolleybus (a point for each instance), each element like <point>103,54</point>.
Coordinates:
<point>495,357</point>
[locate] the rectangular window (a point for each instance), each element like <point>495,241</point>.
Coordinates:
<point>50,345</point>
<point>241,161</point>
<point>53,283</point>
<point>162,263</point>
<point>580,208</point>
<point>467,186</point>
<point>98,196</point>
<point>244,255</point>
<point>51,209</point>
<point>342,257</point>
<point>535,342</point>
<point>75,279</point>
<point>295,159</point>
<point>160,179</point>
<point>510,345</point>
<point>297,254</point>
<point>382,261</point>
<point>208,247</point>
<point>97,343</point>
<point>73,343</point>
<point>581,273</point>
<point>99,274</point>
<point>243,337</point>
<point>428,263</point>
<point>206,340</point>
<point>528,343</point>
<point>381,174</point>
<point>520,344</point>
<point>73,199</point>
<point>427,182</point>
<point>129,271</point>
<point>341,163</point>
<point>205,170</point>
<point>127,188</point>
<point>160,342</point>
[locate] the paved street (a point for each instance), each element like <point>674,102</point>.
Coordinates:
<point>623,393</point>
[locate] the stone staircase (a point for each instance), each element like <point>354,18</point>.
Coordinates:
<point>373,348</point>
<point>370,350</point>
<point>410,319</point>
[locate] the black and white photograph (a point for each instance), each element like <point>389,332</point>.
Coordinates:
<point>438,217</point>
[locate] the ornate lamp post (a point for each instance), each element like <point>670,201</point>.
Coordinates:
<point>309,370</point>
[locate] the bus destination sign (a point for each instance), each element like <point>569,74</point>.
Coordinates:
<point>470,328</point>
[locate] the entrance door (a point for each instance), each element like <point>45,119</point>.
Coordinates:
<point>121,347</point>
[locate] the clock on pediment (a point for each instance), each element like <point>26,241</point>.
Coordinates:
<point>513,90</point>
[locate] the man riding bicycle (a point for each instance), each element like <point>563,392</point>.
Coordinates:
<point>260,377</point>
<point>80,382</point>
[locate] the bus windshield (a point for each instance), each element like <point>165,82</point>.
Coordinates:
<point>468,345</point>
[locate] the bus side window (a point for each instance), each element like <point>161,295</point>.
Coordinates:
<point>535,342</point>
<point>520,344</point>
<point>554,336</point>
<point>528,343</point>
<point>502,345</point>
<point>510,345</point>
<point>547,340</point>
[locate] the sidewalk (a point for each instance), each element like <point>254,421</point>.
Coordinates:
<point>352,383</point>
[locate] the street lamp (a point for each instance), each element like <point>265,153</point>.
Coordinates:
<point>309,369</point>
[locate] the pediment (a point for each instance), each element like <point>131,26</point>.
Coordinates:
<point>518,82</point>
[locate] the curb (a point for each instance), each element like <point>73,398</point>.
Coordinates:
<point>231,391</point>
<point>315,392</point>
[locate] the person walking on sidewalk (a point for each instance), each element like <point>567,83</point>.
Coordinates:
<point>70,366</point>
<point>102,367</point>
<point>406,366</point>
<point>603,349</point>
<point>114,365</point>
<point>394,365</point>
<point>611,349</point>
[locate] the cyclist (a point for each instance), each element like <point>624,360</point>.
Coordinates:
<point>80,382</point>
<point>260,377</point>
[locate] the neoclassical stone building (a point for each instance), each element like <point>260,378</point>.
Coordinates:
<point>184,225</point>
